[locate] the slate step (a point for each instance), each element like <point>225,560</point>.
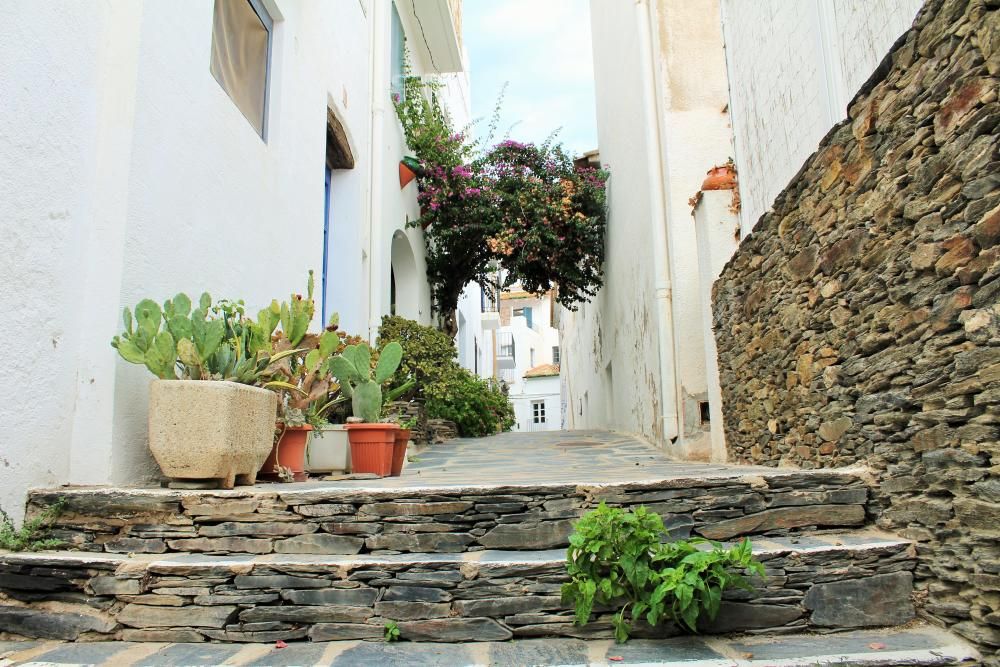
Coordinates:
<point>350,518</point>
<point>918,645</point>
<point>825,582</point>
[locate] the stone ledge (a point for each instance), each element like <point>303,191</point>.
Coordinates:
<point>332,518</point>
<point>862,578</point>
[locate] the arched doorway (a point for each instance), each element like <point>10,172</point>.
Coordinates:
<point>403,278</point>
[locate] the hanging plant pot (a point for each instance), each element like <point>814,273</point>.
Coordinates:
<point>409,169</point>
<point>289,453</point>
<point>722,177</point>
<point>399,451</point>
<point>372,447</point>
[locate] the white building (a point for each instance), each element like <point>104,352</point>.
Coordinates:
<point>151,147</point>
<point>680,87</point>
<point>527,358</point>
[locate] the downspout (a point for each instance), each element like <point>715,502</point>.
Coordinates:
<point>658,209</point>
<point>375,143</point>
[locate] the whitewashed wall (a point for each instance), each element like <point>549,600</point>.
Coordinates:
<point>793,67</point>
<point>127,172</point>
<point>636,355</point>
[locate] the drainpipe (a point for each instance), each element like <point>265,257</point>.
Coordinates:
<point>378,95</point>
<point>658,209</point>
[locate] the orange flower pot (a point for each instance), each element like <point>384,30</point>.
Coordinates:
<point>406,175</point>
<point>372,447</point>
<point>399,451</point>
<point>289,452</point>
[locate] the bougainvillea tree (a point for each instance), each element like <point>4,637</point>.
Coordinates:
<point>512,213</point>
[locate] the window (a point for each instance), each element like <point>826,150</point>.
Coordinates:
<point>505,345</point>
<point>538,412</point>
<point>531,357</point>
<point>525,313</point>
<point>555,354</point>
<point>398,45</point>
<point>241,56</point>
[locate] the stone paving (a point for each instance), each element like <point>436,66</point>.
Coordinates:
<point>914,646</point>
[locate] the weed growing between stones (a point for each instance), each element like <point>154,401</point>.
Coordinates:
<point>391,632</point>
<point>32,536</point>
<point>616,559</point>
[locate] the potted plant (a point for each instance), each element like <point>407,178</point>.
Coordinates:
<point>399,446</point>
<point>372,442</point>
<point>207,361</point>
<point>304,384</point>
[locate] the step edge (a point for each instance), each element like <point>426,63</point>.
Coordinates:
<point>483,558</point>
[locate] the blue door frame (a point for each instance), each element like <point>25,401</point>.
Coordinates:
<point>326,241</point>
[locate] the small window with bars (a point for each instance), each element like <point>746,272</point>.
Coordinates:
<point>555,354</point>
<point>538,412</point>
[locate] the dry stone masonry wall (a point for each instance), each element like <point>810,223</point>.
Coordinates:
<point>860,320</point>
<point>318,520</point>
<point>490,596</point>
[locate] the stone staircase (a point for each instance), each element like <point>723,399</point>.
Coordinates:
<point>447,563</point>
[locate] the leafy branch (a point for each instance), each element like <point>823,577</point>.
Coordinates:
<point>616,559</point>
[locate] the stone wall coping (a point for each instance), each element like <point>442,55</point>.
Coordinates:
<point>764,548</point>
<point>315,492</point>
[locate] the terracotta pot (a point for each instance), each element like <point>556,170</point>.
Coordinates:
<point>720,178</point>
<point>290,452</point>
<point>372,447</point>
<point>406,175</point>
<point>399,451</point>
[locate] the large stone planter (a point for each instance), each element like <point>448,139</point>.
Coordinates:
<point>202,430</point>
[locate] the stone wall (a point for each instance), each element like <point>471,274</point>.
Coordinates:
<point>444,597</point>
<point>860,321</point>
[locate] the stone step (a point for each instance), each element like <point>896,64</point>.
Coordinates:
<point>918,645</point>
<point>348,518</point>
<point>825,582</point>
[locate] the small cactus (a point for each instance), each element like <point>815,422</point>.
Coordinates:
<point>353,369</point>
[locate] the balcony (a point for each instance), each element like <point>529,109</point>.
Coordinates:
<point>505,350</point>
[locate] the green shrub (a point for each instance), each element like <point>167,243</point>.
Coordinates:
<point>430,355</point>
<point>33,535</point>
<point>478,407</point>
<point>616,559</point>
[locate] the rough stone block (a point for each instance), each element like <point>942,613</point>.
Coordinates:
<point>146,616</point>
<point>454,630</point>
<point>879,600</point>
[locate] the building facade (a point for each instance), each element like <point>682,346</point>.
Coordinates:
<point>527,358</point>
<point>150,148</point>
<point>758,83</point>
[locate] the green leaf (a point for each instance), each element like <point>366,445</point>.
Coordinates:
<point>180,326</point>
<point>312,360</point>
<point>147,315</point>
<point>182,305</point>
<point>205,302</point>
<point>388,362</point>
<point>328,342</point>
<point>127,319</point>
<point>129,352</point>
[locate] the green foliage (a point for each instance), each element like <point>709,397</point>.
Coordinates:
<point>391,633</point>
<point>478,407</point>
<point>430,354</point>
<point>353,368</point>
<point>524,209</point>
<point>33,534</point>
<point>616,559</point>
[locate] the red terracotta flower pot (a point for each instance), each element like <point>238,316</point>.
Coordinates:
<point>399,451</point>
<point>372,447</point>
<point>289,452</point>
<point>720,178</point>
<point>406,175</point>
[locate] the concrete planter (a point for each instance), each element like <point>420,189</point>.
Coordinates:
<point>329,450</point>
<point>210,430</point>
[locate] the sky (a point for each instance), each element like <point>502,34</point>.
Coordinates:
<point>541,49</point>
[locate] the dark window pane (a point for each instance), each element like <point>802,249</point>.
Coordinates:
<point>239,57</point>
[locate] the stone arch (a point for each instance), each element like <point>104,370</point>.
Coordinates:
<point>403,278</point>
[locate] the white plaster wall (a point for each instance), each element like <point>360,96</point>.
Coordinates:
<point>693,96</point>
<point>211,205</point>
<point>48,153</point>
<point>793,68</point>
<point>127,172</point>
<point>618,329</point>
<point>661,94</point>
